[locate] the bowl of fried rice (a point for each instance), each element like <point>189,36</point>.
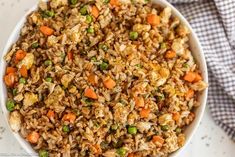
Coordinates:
<point>103,78</point>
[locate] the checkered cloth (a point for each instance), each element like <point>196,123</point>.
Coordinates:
<point>214,23</point>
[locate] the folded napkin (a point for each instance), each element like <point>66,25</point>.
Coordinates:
<point>214,23</point>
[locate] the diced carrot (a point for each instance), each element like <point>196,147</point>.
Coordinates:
<point>139,101</point>
<point>197,78</point>
<point>176,116</point>
<point>190,76</point>
<point>46,30</point>
<point>131,155</point>
<point>98,149</point>
<point>92,78</point>
<point>24,71</point>
<point>50,114</point>
<point>95,11</point>
<point>158,139</point>
<point>9,79</point>
<point>114,2</point>
<point>170,54</point>
<point>70,55</point>
<point>10,70</point>
<point>189,94</point>
<point>153,19</point>
<point>144,113</point>
<point>20,54</point>
<point>109,83</point>
<point>69,117</point>
<point>33,137</point>
<point>90,93</point>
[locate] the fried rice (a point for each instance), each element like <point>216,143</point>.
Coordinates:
<point>102,78</point>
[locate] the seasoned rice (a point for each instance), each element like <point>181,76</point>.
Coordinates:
<point>102,78</point>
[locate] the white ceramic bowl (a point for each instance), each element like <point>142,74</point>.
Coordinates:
<point>195,48</point>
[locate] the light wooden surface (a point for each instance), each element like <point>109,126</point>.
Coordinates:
<point>209,140</point>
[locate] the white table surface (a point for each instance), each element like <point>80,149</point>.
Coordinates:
<point>209,140</point>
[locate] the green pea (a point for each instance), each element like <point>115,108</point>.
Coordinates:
<point>104,66</point>
<point>163,45</point>
<point>165,128</point>
<point>89,19</point>
<point>47,14</point>
<point>185,65</point>
<point>10,105</point>
<point>65,128</point>
<point>73,2</point>
<point>90,30</point>
<point>22,80</point>
<point>35,45</point>
<point>43,153</point>
<point>121,151</point>
<point>138,65</point>
<point>133,35</point>
<point>103,47</point>
<point>106,1</point>
<point>132,130</point>
<point>93,59</point>
<point>83,10</point>
<point>48,62</point>
<point>14,91</point>
<point>48,79</point>
<point>178,130</point>
<point>114,127</point>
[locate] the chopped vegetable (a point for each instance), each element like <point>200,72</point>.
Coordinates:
<point>121,151</point>
<point>95,11</point>
<point>190,76</point>
<point>35,45</point>
<point>106,1</point>
<point>165,128</point>
<point>50,114</point>
<point>65,128</point>
<point>43,153</point>
<point>153,19</point>
<point>139,101</point>
<point>109,83</point>
<point>9,79</point>
<point>92,78</point>
<point>14,91</point>
<point>10,70</point>
<point>73,2</point>
<point>98,149</point>
<point>48,79</point>
<point>83,10</point>
<point>132,130</point>
<point>103,47</point>
<point>114,3</point>
<point>170,54</point>
<point>24,71</point>
<point>189,94</point>
<point>89,19</point>
<point>133,35</point>
<point>176,116</point>
<point>70,56</point>
<point>33,137</point>
<point>48,62</point>
<point>71,117</point>
<point>158,139</point>
<point>144,113</point>
<point>178,130</point>
<point>20,54</point>
<point>90,93</point>
<point>93,59</point>
<point>104,66</point>
<point>46,30</point>
<point>22,80</point>
<point>48,13</point>
<point>10,105</point>
<point>90,30</point>
<point>131,155</point>
<point>114,127</point>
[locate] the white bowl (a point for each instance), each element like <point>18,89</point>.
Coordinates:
<point>195,48</point>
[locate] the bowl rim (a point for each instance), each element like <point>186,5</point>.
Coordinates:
<point>15,35</point>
